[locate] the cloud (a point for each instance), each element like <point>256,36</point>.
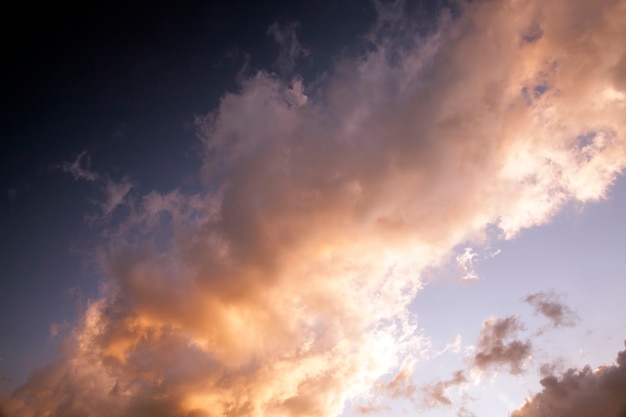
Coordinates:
<point>114,192</point>
<point>582,392</point>
<point>464,412</point>
<point>290,49</point>
<point>465,264</point>
<point>550,305</point>
<point>497,346</point>
<point>435,395</point>
<point>80,168</point>
<point>283,289</point>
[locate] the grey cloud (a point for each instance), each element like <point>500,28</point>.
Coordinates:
<point>581,393</point>
<point>115,193</point>
<point>497,346</point>
<point>80,168</point>
<point>551,306</point>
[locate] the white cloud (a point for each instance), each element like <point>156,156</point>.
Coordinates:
<point>465,264</point>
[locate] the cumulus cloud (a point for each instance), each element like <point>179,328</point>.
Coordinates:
<point>581,392</point>
<point>283,289</point>
<point>549,304</point>
<point>497,346</point>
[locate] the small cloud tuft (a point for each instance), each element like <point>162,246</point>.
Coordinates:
<point>80,168</point>
<point>498,346</point>
<point>550,305</point>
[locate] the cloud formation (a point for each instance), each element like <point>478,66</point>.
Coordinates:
<point>583,392</point>
<point>114,192</point>
<point>497,346</point>
<point>80,168</point>
<point>290,48</point>
<point>436,394</point>
<point>283,289</point>
<point>465,264</point>
<point>550,305</point>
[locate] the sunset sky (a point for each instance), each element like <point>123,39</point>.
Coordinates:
<point>314,209</point>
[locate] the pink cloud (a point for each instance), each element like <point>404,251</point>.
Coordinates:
<point>286,291</point>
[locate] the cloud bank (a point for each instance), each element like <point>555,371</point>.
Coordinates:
<point>583,392</point>
<point>282,290</point>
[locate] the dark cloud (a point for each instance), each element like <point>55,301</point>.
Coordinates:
<point>497,346</point>
<point>552,307</point>
<point>581,393</point>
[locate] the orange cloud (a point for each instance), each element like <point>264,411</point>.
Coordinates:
<point>285,291</point>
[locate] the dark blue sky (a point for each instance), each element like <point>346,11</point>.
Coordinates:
<point>122,82</point>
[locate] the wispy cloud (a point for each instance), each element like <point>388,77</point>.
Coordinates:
<point>114,192</point>
<point>286,36</point>
<point>465,264</point>
<point>550,305</point>
<point>435,394</point>
<point>80,168</point>
<point>283,290</point>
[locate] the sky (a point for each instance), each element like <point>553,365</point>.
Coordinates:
<point>332,208</point>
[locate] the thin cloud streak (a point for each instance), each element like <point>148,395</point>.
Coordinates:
<point>435,395</point>
<point>114,192</point>
<point>283,290</point>
<point>80,168</point>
